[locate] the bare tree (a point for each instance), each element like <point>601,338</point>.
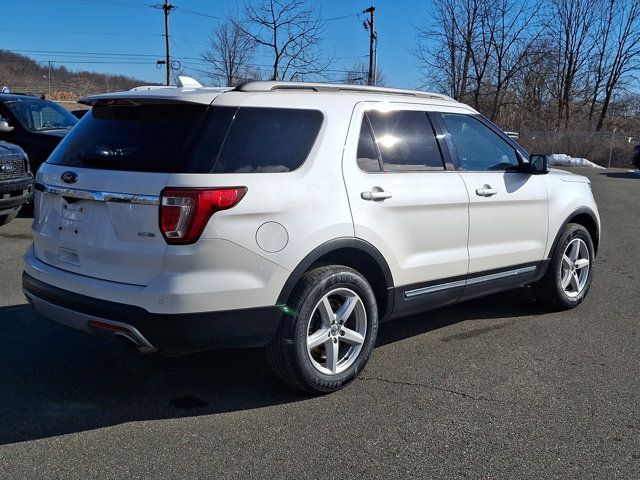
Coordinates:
<point>476,48</point>
<point>574,46</point>
<point>533,63</point>
<point>603,43</point>
<point>357,74</point>
<point>513,34</point>
<point>531,91</point>
<point>446,44</point>
<point>625,52</point>
<point>290,32</point>
<point>230,53</point>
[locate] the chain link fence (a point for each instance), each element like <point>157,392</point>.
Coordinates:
<point>607,149</point>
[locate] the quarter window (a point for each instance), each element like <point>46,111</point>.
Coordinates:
<point>406,141</point>
<point>254,140</point>
<point>367,156</point>
<point>478,147</point>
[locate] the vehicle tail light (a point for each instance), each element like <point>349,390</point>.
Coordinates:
<point>184,212</point>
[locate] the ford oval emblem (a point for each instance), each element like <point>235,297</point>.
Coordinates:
<point>69,177</point>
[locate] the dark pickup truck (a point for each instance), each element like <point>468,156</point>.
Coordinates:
<point>36,125</point>
<point>16,181</point>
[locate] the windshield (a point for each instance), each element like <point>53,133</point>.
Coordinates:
<point>38,115</point>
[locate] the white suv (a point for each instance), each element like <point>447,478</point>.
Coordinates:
<point>294,216</point>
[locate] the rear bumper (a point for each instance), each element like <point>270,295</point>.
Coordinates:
<point>171,334</point>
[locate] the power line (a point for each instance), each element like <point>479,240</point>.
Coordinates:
<point>200,14</point>
<point>357,14</point>
<point>69,52</point>
<point>67,32</point>
<point>93,3</point>
<point>131,59</point>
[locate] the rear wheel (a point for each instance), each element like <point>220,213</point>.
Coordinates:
<point>327,335</point>
<point>570,273</point>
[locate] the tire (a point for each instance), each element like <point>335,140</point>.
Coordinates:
<point>552,290</point>
<point>306,321</point>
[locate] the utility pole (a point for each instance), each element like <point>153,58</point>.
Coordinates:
<point>370,25</point>
<point>49,96</point>
<point>166,8</point>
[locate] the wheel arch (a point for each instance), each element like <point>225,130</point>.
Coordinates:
<point>582,216</point>
<point>351,252</point>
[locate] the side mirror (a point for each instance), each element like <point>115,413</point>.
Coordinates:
<point>4,126</point>
<point>538,164</point>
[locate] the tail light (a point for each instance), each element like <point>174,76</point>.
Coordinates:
<point>184,212</point>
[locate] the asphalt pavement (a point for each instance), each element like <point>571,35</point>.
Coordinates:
<point>493,388</point>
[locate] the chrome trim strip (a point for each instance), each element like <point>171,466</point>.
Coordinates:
<point>496,276</point>
<point>470,281</point>
<point>99,196</point>
<point>434,288</point>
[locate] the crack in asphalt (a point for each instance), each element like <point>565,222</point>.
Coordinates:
<point>432,387</point>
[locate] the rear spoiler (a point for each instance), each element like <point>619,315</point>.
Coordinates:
<point>156,94</point>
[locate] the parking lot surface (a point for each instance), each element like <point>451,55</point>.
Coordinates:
<point>493,388</point>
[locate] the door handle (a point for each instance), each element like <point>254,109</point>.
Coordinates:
<point>375,194</point>
<point>486,191</point>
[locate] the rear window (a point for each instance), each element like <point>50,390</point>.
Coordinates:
<point>253,140</point>
<point>147,138</point>
<point>156,138</point>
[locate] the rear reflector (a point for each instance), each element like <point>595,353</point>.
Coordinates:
<point>184,212</point>
<point>108,326</point>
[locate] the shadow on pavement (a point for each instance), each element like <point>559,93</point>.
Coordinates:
<point>55,381</point>
<point>633,175</point>
<point>26,211</point>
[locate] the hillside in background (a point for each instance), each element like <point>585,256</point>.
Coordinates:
<point>22,74</point>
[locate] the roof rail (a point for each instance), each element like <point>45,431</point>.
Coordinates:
<point>272,86</point>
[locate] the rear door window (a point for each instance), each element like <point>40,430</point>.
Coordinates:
<point>406,141</point>
<point>257,140</point>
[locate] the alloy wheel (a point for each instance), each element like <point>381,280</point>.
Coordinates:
<point>336,331</point>
<point>575,267</point>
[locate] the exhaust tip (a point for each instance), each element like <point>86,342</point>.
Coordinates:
<point>123,332</point>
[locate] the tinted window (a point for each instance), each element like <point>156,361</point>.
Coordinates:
<point>38,115</point>
<point>146,138</point>
<point>406,141</point>
<point>477,146</point>
<point>205,147</point>
<point>258,140</point>
<point>367,155</point>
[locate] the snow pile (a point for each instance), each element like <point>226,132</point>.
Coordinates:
<point>562,160</point>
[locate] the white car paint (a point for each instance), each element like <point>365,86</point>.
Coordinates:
<point>433,227</point>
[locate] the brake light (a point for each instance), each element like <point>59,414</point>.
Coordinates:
<point>184,212</point>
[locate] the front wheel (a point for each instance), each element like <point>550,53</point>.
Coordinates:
<point>570,273</point>
<point>328,330</point>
